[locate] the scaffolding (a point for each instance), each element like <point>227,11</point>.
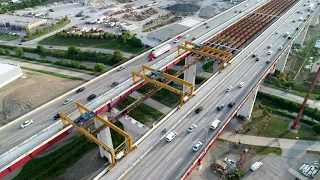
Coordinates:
<point>86,115</point>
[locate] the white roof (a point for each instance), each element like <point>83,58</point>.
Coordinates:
<point>5,67</point>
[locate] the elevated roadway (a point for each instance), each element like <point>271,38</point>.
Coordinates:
<point>159,159</point>
<point>12,136</point>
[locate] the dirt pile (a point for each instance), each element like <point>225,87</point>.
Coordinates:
<point>208,12</point>
<point>183,8</point>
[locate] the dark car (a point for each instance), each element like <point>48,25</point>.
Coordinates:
<point>253,55</point>
<point>207,27</point>
<point>231,104</point>
<point>57,116</point>
<point>92,96</point>
<point>194,38</point>
<point>220,107</point>
<point>114,84</point>
<point>198,110</point>
<point>80,89</point>
<point>289,37</point>
<point>297,28</point>
<point>257,59</point>
<point>268,61</point>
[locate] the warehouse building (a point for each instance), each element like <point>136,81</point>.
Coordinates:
<point>21,23</point>
<point>9,73</point>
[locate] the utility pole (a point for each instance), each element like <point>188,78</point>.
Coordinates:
<point>294,125</point>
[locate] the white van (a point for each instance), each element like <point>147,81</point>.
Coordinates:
<point>171,136</point>
<point>256,166</point>
<point>215,124</point>
<point>119,156</point>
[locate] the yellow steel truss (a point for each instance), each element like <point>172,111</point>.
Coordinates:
<point>168,76</point>
<point>222,59</point>
<point>82,108</point>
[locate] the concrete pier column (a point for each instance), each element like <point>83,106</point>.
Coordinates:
<point>190,74</point>
<point>283,59</point>
<point>247,107</point>
<point>315,18</point>
<point>105,137</point>
<point>301,36</point>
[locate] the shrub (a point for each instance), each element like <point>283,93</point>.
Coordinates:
<point>19,51</point>
<point>316,128</point>
<point>99,67</point>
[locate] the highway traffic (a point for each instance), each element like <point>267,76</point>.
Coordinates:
<point>170,160</point>
<point>14,135</point>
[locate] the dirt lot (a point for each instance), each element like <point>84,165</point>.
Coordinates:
<point>26,94</point>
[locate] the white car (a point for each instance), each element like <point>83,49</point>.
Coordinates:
<point>256,166</point>
<point>270,52</point>
<point>197,146</point>
<point>187,35</point>
<point>190,129</point>
<point>176,40</point>
<point>280,48</point>
<point>67,101</point>
<point>229,89</point>
<point>229,161</point>
<point>171,136</point>
<point>26,123</point>
<point>121,68</point>
<point>241,84</point>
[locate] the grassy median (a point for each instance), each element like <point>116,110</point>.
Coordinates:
<point>54,74</point>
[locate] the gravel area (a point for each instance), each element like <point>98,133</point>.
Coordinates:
<point>26,94</point>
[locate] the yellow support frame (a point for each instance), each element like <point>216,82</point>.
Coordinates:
<point>81,107</point>
<point>181,93</point>
<point>227,54</point>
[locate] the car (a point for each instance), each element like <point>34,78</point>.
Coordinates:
<point>269,46</point>
<point>229,161</point>
<point>215,124</point>
<point>207,27</point>
<point>51,47</point>
<point>121,68</point>
<point>300,18</point>
<point>114,84</point>
<point>280,48</point>
<point>289,37</point>
<point>190,129</point>
<point>20,44</point>
<point>294,21</point>
<point>57,116</point>
<point>257,59</point>
<point>241,84</point>
<point>171,136</point>
<point>92,96</point>
<point>297,28</point>
<point>80,89</point>
<point>220,107</point>
<point>199,109</point>
<point>268,61</point>
<point>205,23</point>
<point>194,38</point>
<point>67,101</point>
<point>231,104</point>
<point>229,89</point>
<point>277,32</point>
<point>187,35</point>
<point>270,52</point>
<point>256,166</point>
<point>26,123</point>
<point>176,40</point>
<point>197,146</point>
<point>253,55</point>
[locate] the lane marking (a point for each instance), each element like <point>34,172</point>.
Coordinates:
<point>169,158</point>
<point>166,149</point>
<point>143,172</point>
<point>178,161</point>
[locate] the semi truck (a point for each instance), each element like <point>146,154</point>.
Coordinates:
<point>156,53</point>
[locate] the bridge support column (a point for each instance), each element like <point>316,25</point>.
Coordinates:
<point>315,18</point>
<point>247,107</point>
<point>282,60</point>
<point>190,73</point>
<point>105,137</point>
<point>302,35</point>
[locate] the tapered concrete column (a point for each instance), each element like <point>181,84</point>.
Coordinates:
<point>190,74</point>
<point>302,35</point>
<point>247,107</point>
<point>105,137</point>
<point>315,18</point>
<point>283,59</point>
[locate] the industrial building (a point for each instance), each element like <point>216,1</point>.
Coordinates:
<point>9,73</point>
<point>21,24</point>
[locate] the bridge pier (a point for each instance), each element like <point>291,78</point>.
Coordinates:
<point>315,18</point>
<point>247,107</point>
<point>282,60</point>
<point>302,35</point>
<point>105,137</point>
<point>190,73</point>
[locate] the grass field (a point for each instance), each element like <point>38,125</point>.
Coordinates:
<point>7,37</point>
<point>93,43</point>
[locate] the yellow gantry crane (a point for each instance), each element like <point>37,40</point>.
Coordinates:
<point>150,77</point>
<point>86,115</point>
<point>198,50</point>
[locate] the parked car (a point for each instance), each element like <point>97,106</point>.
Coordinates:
<point>80,89</point>
<point>26,123</point>
<point>231,104</point>
<point>67,101</point>
<point>57,116</point>
<point>190,129</point>
<point>114,84</point>
<point>197,146</point>
<point>256,166</point>
<point>220,107</point>
<point>199,109</point>
<point>92,96</point>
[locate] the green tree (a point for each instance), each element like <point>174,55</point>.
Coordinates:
<point>117,56</point>
<point>136,41</point>
<point>99,67</point>
<point>125,37</point>
<point>316,128</point>
<point>19,51</point>
<point>2,51</point>
<point>75,64</point>
<point>41,49</point>
<point>38,31</point>
<point>72,50</point>
<point>28,32</point>
<point>63,62</point>
<point>106,35</point>
<point>7,51</point>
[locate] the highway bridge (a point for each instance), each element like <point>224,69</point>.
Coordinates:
<point>212,91</point>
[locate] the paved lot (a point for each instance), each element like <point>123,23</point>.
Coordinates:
<point>167,32</point>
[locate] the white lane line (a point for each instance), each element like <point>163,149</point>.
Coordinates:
<point>169,158</point>
<point>178,161</point>
<point>166,148</point>
<point>188,137</point>
<point>196,141</point>
<point>144,171</point>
